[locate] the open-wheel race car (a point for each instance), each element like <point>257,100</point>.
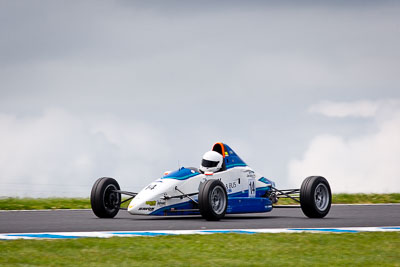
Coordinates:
<point>224,184</point>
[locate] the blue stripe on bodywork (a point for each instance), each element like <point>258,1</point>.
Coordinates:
<point>181,174</point>
<point>260,191</point>
<point>265,180</point>
<point>230,166</point>
<point>180,206</point>
<point>238,202</point>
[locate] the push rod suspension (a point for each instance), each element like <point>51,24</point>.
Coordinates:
<point>186,195</point>
<point>126,193</point>
<point>286,194</point>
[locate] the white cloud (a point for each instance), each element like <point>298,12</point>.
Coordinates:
<point>60,154</point>
<point>366,163</point>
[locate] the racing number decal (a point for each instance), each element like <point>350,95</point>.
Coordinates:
<point>252,187</point>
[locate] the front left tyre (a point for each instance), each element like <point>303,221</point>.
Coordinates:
<point>103,198</point>
<point>213,200</point>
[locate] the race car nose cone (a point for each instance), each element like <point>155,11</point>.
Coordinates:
<point>131,208</point>
<point>142,206</point>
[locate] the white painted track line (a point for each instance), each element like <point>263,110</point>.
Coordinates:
<point>108,234</point>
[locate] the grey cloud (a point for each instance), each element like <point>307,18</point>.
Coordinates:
<point>241,72</point>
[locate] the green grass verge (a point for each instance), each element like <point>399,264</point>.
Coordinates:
<point>361,249</point>
<point>355,199</point>
<point>365,198</point>
<point>44,203</point>
<point>84,203</point>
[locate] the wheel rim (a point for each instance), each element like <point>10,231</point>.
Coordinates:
<point>111,198</point>
<point>218,200</point>
<point>321,196</point>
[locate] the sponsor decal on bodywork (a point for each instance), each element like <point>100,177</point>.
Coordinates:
<point>252,187</point>
<point>250,174</point>
<point>146,208</point>
<point>151,203</point>
<point>161,203</point>
<point>151,186</point>
<point>230,186</point>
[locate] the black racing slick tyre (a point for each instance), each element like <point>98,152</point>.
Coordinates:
<point>315,197</point>
<point>213,200</point>
<point>103,198</point>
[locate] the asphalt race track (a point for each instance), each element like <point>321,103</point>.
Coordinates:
<point>85,220</point>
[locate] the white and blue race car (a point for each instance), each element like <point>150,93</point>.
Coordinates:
<point>233,188</point>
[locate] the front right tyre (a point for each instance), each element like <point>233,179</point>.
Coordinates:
<point>315,197</point>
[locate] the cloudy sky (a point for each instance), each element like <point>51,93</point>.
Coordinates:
<point>129,89</point>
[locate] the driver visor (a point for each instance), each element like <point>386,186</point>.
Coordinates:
<point>209,163</point>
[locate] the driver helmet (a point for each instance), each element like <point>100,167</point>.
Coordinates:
<point>211,162</point>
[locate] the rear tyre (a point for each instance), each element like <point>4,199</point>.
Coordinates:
<point>315,197</point>
<point>105,202</point>
<point>213,200</point>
